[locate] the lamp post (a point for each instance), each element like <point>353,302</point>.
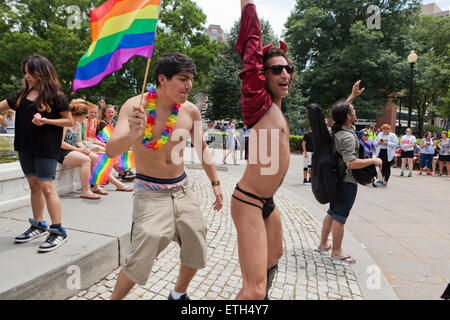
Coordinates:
<point>412,59</point>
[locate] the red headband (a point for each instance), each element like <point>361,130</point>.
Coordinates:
<point>283,47</point>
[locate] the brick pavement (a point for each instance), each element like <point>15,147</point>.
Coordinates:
<point>303,273</point>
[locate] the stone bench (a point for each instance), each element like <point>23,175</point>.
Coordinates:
<point>15,191</point>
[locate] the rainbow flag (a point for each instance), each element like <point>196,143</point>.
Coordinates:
<point>126,161</point>
<point>102,169</point>
<point>105,134</point>
<point>120,29</point>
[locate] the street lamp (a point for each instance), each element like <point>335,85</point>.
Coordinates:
<point>412,59</point>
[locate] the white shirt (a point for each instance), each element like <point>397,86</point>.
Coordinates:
<point>407,142</point>
<point>392,142</point>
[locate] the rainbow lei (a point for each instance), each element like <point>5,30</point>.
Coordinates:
<point>151,118</point>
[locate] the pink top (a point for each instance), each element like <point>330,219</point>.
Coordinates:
<point>91,129</point>
<point>255,99</point>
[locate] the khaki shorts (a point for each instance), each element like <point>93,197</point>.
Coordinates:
<point>160,217</point>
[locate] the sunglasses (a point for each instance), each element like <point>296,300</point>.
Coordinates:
<point>278,69</point>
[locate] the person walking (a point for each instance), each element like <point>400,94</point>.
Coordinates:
<point>427,153</point>
<point>164,207</point>
<point>386,142</point>
<point>246,133</point>
<point>408,143</point>
<point>347,145</point>
<point>233,142</point>
<point>42,111</point>
<point>307,148</point>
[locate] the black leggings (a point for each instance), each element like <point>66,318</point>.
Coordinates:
<point>386,168</point>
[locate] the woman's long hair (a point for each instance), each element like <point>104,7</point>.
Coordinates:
<point>79,107</point>
<point>339,114</point>
<point>47,85</point>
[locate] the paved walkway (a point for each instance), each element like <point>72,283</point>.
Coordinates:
<point>405,228</point>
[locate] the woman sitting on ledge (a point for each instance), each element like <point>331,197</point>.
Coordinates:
<point>74,154</point>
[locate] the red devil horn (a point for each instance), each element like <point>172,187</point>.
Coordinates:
<point>283,46</point>
<point>266,48</point>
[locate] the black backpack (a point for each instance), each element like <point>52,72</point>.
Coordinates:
<point>367,174</point>
<point>327,166</point>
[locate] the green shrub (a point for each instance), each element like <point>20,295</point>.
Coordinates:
<point>295,143</point>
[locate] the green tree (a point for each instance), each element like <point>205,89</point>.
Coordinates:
<point>432,71</point>
<point>38,26</point>
<point>333,47</point>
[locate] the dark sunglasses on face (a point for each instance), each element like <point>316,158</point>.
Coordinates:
<point>278,69</point>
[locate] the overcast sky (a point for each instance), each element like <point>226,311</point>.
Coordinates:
<point>226,12</point>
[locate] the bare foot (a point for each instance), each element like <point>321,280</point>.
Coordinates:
<point>90,195</point>
<point>99,190</point>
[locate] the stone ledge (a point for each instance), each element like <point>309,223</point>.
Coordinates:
<point>15,191</point>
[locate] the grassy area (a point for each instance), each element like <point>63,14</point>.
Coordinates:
<point>7,153</point>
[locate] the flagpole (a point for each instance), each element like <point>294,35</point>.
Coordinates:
<point>145,81</point>
<point>148,61</point>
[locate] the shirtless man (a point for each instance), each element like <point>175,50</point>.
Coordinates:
<point>165,208</point>
<point>266,78</point>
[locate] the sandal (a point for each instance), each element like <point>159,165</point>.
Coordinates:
<point>322,250</point>
<point>347,259</point>
<point>93,197</point>
<point>127,189</point>
<point>100,191</point>
<point>127,176</point>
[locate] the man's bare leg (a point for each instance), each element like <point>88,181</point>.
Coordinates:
<point>326,229</point>
<point>185,275</point>
<point>337,230</point>
<point>252,247</point>
<point>274,234</point>
<point>123,286</point>
<point>274,231</point>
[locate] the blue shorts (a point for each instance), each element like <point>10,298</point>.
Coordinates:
<point>43,168</point>
<point>340,209</point>
<point>426,159</point>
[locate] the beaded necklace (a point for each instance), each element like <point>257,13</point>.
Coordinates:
<point>151,118</point>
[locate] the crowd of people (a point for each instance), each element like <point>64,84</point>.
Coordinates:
<point>427,153</point>
<point>384,144</point>
<point>231,139</point>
